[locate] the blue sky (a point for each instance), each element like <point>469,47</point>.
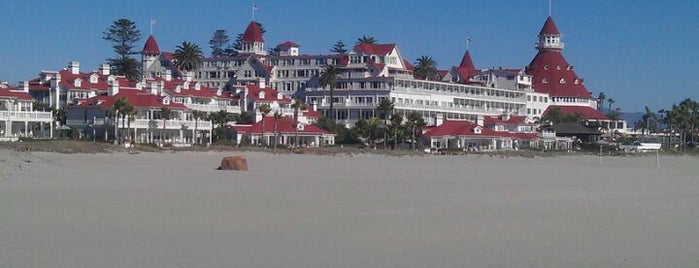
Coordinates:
<point>639,52</point>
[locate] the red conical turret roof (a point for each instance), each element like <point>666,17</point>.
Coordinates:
<point>552,74</point>
<point>466,61</point>
<point>253,33</point>
<point>151,46</point>
<point>549,27</point>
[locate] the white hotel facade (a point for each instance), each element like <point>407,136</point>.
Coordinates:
<point>372,72</point>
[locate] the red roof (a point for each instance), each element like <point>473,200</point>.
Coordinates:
<point>310,113</point>
<point>288,44</point>
<point>269,96</point>
<point>549,28</point>
<point>462,128</point>
<point>68,81</point>
<point>138,99</point>
<point>585,112</point>
<point>151,46</point>
<point>285,126</point>
<point>13,93</point>
<point>553,75</point>
<point>466,61</point>
<point>408,66</point>
<point>253,33</point>
<point>513,120</point>
<point>375,49</point>
<point>38,85</point>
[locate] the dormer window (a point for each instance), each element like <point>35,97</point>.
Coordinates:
<point>576,81</point>
<point>261,95</point>
<point>78,82</point>
<point>197,86</point>
<point>544,81</point>
<point>558,67</point>
<point>93,79</point>
<point>279,96</point>
<point>546,67</point>
<point>477,130</point>
<point>562,81</point>
<point>166,101</point>
<point>568,68</point>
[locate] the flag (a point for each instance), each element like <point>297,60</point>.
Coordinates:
<point>468,39</point>
<point>254,7</point>
<point>153,21</point>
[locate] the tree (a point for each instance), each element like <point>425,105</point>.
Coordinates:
<point>415,123</point>
<point>244,118</point>
<point>610,101</point>
<point>188,56</point>
<point>196,114</point>
<point>220,119</point>
<point>600,100</point>
<point>219,43</point>
<point>385,108</point>
<point>649,121</point>
<point>264,110</point>
<point>297,105</point>
<point>165,113</point>
<point>339,47</point>
<point>120,107</point>
<point>396,128</point>
<point>329,78</point>
<point>273,51</point>
<point>425,67</point>
<point>128,67</point>
<point>366,40</point>
<point>124,36</point>
<point>277,116</point>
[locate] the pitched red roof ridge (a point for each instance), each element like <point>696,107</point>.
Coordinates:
<point>253,33</point>
<point>549,27</point>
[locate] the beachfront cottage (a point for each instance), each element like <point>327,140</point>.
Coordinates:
<point>469,136</point>
<point>17,115</point>
<point>155,118</point>
<point>284,131</point>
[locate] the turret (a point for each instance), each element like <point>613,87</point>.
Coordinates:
<point>252,41</point>
<point>549,37</point>
<point>149,58</point>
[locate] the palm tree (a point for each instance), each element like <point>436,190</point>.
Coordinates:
<point>610,101</point>
<point>329,78</point>
<point>425,67</point>
<point>165,113</point>
<point>188,56</point>
<point>196,114</point>
<point>264,110</point>
<point>120,107</point>
<point>385,107</point>
<point>366,40</point>
<point>297,105</point>
<point>277,116</point>
<point>396,126</point>
<point>130,115</point>
<point>600,100</point>
<point>220,119</point>
<point>415,122</point>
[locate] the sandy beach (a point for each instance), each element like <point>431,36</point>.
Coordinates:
<point>176,210</point>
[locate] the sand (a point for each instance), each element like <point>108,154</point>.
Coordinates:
<point>176,210</point>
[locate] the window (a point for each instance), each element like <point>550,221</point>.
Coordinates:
<point>544,81</point>
<point>562,81</point>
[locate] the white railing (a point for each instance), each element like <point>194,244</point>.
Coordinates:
<point>213,108</point>
<point>26,116</point>
<point>171,124</point>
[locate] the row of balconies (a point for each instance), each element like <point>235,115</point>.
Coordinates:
<point>146,123</point>
<point>33,116</point>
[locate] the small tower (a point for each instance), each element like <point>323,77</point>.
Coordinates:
<point>252,41</point>
<point>549,37</point>
<point>150,58</point>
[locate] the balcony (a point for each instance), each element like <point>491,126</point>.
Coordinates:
<point>171,124</point>
<point>26,116</point>
<point>213,108</point>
